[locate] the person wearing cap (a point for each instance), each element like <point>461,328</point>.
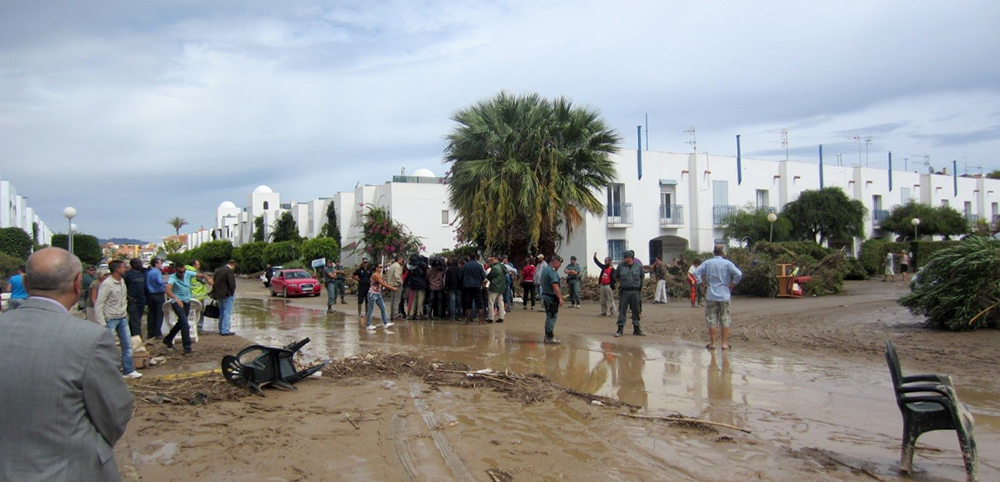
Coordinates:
<point>363,275</point>
<point>722,276</point>
<point>552,297</point>
<point>573,272</point>
<point>629,277</point>
<point>540,265</point>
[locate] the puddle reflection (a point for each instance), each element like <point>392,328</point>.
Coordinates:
<point>802,402</point>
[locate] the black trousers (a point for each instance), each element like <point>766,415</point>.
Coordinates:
<point>135,309</point>
<point>155,317</point>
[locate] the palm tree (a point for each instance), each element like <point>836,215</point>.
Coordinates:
<point>177,223</point>
<point>523,167</point>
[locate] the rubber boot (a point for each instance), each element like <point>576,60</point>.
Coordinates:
<point>620,331</point>
<point>637,331</point>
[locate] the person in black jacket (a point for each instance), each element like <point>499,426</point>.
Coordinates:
<point>135,288</point>
<point>453,288</point>
<point>473,276</point>
<point>416,280</point>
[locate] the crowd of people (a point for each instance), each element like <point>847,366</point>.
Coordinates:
<point>118,296</point>
<point>474,290</point>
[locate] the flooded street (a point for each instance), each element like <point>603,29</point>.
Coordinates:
<point>831,404</point>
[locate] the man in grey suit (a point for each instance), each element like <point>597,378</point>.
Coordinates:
<point>63,402</point>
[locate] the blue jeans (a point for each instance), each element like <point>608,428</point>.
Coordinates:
<point>120,326</point>
<point>454,304</point>
<point>225,314</point>
<point>376,299</point>
<point>181,325</point>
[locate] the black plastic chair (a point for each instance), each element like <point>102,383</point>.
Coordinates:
<point>270,366</point>
<point>928,403</point>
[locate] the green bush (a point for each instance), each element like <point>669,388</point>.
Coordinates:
<point>183,257</point>
<point>85,247</point>
<point>854,270</point>
<point>15,242</point>
<point>250,257</point>
<point>958,289</point>
<point>213,255</point>
<point>924,250</point>
<point>320,248</point>
<point>9,263</point>
<point>873,253</point>
<point>282,252</point>
<point>759,274</point>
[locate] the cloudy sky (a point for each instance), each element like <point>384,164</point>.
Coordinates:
<point>136,112</point>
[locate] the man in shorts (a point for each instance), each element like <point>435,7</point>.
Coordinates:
<point>721,276</point>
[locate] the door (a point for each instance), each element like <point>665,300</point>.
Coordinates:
<point>655,249</point>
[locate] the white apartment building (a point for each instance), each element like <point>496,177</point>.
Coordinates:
<point>15,212</point>
<point>677,204</point>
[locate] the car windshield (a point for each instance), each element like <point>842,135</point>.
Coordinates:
<point>296,275</point>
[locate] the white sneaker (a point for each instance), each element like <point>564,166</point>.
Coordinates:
<point>387,325</point>
<point>371,328</point>
<point>134,374</point>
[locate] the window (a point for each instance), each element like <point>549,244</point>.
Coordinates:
<point>904,194</point>
<point>666,198</point>
<point>762,199</point>
<point>444,217</point>
<point>944,202</point>
<point>876,203</point>
<point>968,208</point>
<point>616,249</point>
<point>993,207</point>
<point>265,205</point>
<point>616,196</point>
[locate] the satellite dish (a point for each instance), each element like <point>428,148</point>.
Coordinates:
<point>930,169</point>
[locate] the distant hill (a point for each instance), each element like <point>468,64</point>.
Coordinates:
<point>121,241</point>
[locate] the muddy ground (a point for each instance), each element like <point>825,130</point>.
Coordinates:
<point>393,415</point>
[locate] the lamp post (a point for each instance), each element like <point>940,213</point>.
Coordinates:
<point>915,222</point>
<point>70,213</point>
<point>771,218</point>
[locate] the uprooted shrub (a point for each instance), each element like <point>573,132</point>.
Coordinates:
<point>958,289</point>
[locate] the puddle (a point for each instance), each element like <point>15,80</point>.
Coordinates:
<point>836,406</point>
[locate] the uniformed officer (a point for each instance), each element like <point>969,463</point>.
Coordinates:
<point>629,275</point>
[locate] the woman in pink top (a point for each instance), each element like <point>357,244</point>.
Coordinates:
<point>375,297</point>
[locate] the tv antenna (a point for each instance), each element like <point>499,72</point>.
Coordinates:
<point>694,139</point>
<point>868,141</point>
<point>977,167</point>
<point>857,138</point>
<point>927,162</point>
<point>784,141</point>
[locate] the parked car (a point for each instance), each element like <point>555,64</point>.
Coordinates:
<point>263,276</point>
<point>293,282</point>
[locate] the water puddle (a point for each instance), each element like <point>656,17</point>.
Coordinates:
<point>837,406</point>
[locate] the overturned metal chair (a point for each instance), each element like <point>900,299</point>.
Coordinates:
<point>928,403</point>
<point>258,366</point>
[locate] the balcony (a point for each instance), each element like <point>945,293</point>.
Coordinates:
<point>720,212</point>
<point>878,216</point>
<point>619,215</point>
<point>671,214</point>
<point>972,218</point>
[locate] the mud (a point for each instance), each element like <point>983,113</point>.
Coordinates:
<point>806,378</point>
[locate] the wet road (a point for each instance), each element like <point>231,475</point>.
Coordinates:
<point>832,405</point>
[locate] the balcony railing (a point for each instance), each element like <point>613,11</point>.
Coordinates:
<point>971,218</point>
<point>878,216</point>
<point>619,215</point>
<point>671,214</point>
<point>721,212</point>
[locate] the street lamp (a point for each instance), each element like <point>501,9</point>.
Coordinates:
<point>915,222</point>
<point>70,213</point>
<point>771,218</point>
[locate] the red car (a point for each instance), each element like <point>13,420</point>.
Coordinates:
<point>294,282</point>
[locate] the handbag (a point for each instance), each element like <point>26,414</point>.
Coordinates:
<point>212,310</point>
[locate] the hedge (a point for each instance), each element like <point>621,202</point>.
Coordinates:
<point>250,257</point>
<point>922,250</point>
<point>873,253</point>
<point>15,242</point>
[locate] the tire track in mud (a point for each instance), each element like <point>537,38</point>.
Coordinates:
<point>451,458</point>
<point>397,434</point>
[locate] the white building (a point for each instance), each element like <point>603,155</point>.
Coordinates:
<point>15,212</point>
<point>678,203</point>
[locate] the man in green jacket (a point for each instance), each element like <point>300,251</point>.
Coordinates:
<point>497,276</point>
<point>629,275</point>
